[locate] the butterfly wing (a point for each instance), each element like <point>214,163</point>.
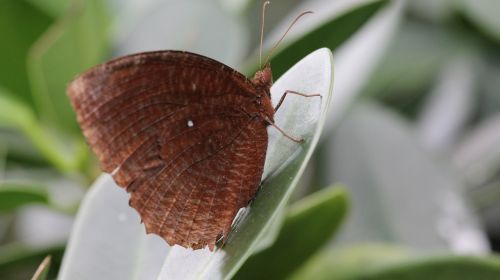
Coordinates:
<point>179,132</point>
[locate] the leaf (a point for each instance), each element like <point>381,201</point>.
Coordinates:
<point>454,90</point>
<point>477,158</point>
<point>432,11</point>
<point>309,224</point>
<point>65,154</point>
<point>18,261</point>
<point>330,34</point>
<point>484,14</point>
<point>20,25</point>
<point>197,26</point>
<point>489,84</point>
<point>106,221</point>
<point>355,63</point>
<point>448,267</point>
<point>77,41</point>
<point>20,149</point>
<point>411,64</point>
<point>478,154</point>
<point>43,269</point>
<point>271,233</point>
<point>13,196</point>
<point>350,262</point>
<point>401,194</point>
<point>3,158</point>
<point>235,7</point>
<point>14,114</point>
<point>51,7</point>
<point>372,261</point>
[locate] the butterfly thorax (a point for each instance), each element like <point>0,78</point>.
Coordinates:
<point>263,80</point>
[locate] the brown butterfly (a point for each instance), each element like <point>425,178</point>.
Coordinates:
<point>184,134</point>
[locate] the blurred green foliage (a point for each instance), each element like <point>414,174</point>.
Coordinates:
<point>331,34</point>
<point>13,196</point>
<point>42,271</point>
<point>376,261</point>
<point>18,261</point>
<point>77,41</point>
<point>30,23</point>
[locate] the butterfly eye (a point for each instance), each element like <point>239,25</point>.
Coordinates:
<point>259,100</point>
<point>190,123</point>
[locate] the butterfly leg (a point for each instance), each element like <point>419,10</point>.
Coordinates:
<point>296,140</point>
<point>296,93</point>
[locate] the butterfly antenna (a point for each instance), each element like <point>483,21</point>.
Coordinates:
<point>284,34</point>
<point>262,30</point>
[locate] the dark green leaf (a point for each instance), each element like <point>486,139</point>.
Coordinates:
<point>52,7</point>
<point>309,224</point>
<point>484,14</point>
<point>13,196</point>
<point>331,35</point>
<point>43,269</point>
<point>18,261</point>
<point>20,25</point>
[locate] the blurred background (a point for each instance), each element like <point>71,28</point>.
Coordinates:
<point>413,132</point>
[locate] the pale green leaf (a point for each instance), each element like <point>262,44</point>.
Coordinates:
<point>64,153</point>
<point>383,262</point>
<point>401,193</point>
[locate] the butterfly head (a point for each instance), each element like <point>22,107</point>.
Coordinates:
<point>264,77</point>
<point>263,80</point>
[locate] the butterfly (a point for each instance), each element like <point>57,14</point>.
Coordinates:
<point>184,134</point>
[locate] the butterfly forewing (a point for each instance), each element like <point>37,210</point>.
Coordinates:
<point>179,131</point>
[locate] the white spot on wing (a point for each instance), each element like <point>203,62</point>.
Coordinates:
<point>190,123</point>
